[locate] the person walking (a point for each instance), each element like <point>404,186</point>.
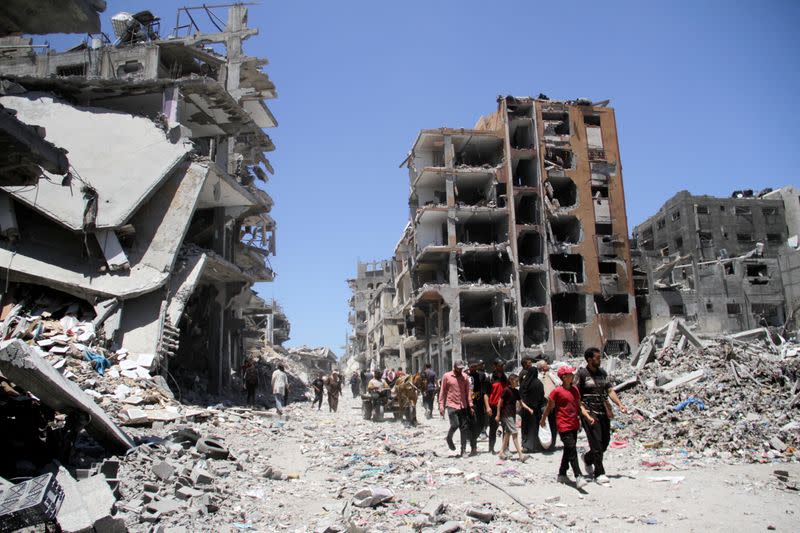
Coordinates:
<point>430,390</point>
<point>318,385</point>
<point>334,390</point>
<point>454,397</point>
<point>531,392</point>
<point>478,390</point>
<point>354,384</point>
<point>566,400</point>
<point>596,390</point>
<point>280,387</point>
<point>497,387</point>
<point>250,372</point>
<point>365,377</point>
<point>548,383</point>
<point>507,417</point>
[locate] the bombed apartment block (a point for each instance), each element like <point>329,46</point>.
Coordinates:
<point>371,278</point>
<point>517,239</point>
<point>724,264</point>
<point>711,228</point>
<point>129,187</point>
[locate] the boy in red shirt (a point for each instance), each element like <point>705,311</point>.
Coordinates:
<point>567,401</point>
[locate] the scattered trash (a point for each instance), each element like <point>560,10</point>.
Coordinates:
<point>667,479</point>
<point>691,400</point>
<point>372,496</point>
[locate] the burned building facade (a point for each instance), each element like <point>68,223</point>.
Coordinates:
<point>157,222</point>
<point>517,242</point>
<point>717,261</point>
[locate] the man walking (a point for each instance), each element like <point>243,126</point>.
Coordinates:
<point>354,384</point>
<point>480,385</point>
<point>430,390</point>
<point>250,372</point>
<point>531,392</point>
<point>334,390</point>
<point>318,385</point>
<point>497,387</point>
<point>596,390</point>
<point>454,397</point>
<point>280,387</point>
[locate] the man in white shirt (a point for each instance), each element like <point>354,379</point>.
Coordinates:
<point>280,386</point>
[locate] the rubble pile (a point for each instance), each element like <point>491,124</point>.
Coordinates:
<point>731,398</point>
<point>58,325</point>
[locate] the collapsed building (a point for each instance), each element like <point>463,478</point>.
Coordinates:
<point>725,264</point>
<point>516,245</point>
<point>155,223</point>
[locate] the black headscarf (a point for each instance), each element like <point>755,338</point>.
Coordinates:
<point>531,390</point>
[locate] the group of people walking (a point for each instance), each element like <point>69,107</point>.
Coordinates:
<point>473,400</point>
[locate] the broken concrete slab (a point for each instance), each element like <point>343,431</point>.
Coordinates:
<point>201,477</point>
<point>683,380</point>
<point>87,504</point>
<point>163,470</point>
<point>124,138</point>
<point>26,367</point>
<point>164,506</point>
<point>689,335</point>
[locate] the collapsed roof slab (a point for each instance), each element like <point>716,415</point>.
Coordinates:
<point>110,152</point>
<point>160,225</point>
<point>24,152</point>
<point>25,366</point>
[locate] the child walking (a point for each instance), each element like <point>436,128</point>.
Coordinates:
<point>566,399</point>
<point>506,416</point>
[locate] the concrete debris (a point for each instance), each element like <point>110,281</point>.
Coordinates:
<point>28,368</point>
<point>745,391</point>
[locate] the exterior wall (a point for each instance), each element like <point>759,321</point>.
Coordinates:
<point>706,225</point>
<point>790,272</point>
<point>586,190</point>
<point>790,196</point>
<point>721,297</point>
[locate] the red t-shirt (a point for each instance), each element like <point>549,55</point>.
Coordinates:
<point>568,403</point>
<point>498,387</point>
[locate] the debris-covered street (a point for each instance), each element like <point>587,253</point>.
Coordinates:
<point>305,472</point>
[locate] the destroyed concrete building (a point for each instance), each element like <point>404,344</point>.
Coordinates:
<point>725,264</point>
<point>517,243</point>
<point>157,222</point>
<point>371,277</point>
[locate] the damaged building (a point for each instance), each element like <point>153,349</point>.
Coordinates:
<point>155,222</point>
<point>517,241</point>
<point>725,264</point>
<point>372,278</point>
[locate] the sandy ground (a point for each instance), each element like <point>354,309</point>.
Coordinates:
<point>337,454</point>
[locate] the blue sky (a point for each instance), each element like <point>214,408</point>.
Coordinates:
<point>703,93</point>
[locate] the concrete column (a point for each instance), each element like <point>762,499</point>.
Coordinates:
<point>453,271</point>
<point>218,244</point>
<point>450,189</point>
<point>449,152</point>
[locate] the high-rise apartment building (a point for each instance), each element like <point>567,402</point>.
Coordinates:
<point>517,243</point>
